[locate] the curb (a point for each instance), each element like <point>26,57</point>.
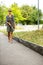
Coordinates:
<point>31,45</point>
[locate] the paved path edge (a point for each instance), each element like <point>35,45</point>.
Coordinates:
<point>31,45</point>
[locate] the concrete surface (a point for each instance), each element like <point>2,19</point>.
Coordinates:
<point>31,45</point>
<point>17,54</point>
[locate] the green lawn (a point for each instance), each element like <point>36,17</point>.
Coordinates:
<point>32,36</point>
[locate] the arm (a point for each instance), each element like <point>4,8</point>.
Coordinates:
<point>8,23</point>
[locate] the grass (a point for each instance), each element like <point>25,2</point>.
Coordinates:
<point>4,31</point>
<point>32,36</point>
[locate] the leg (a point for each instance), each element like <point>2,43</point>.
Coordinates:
<point>11,35</point>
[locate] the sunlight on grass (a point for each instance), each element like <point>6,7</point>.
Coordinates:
<point>33,36</point>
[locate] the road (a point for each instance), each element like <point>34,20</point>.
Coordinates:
<point>17,54</point>
<point>23,28</point>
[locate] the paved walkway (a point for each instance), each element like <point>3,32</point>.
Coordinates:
<point>17,54</point>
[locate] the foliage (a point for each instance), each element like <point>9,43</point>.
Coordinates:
<point>25,14</point>
<point>1,15</point>
<point>31,14</point>
<point>16,12</point>
<point>41,21</point>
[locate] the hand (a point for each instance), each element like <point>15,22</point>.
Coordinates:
<point>8,23</point>
<point>14,25</point>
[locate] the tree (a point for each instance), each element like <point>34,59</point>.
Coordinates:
<point>17,13</point>
<point>30,14</point>
<point>1,15</point>
<point>25,14</point>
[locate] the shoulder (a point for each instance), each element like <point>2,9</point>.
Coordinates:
<point>12,15</point>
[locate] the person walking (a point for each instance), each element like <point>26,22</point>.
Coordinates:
<point>10,25</point>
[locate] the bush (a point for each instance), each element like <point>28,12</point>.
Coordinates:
<point>41,21</point>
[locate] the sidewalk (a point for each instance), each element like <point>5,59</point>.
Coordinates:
<point>17,54</point>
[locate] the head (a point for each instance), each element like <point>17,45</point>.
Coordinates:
<point>9,11</point>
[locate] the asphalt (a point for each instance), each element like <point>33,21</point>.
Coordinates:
<point>17,54</point>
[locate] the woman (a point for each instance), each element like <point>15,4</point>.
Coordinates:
<point>10,25</point>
